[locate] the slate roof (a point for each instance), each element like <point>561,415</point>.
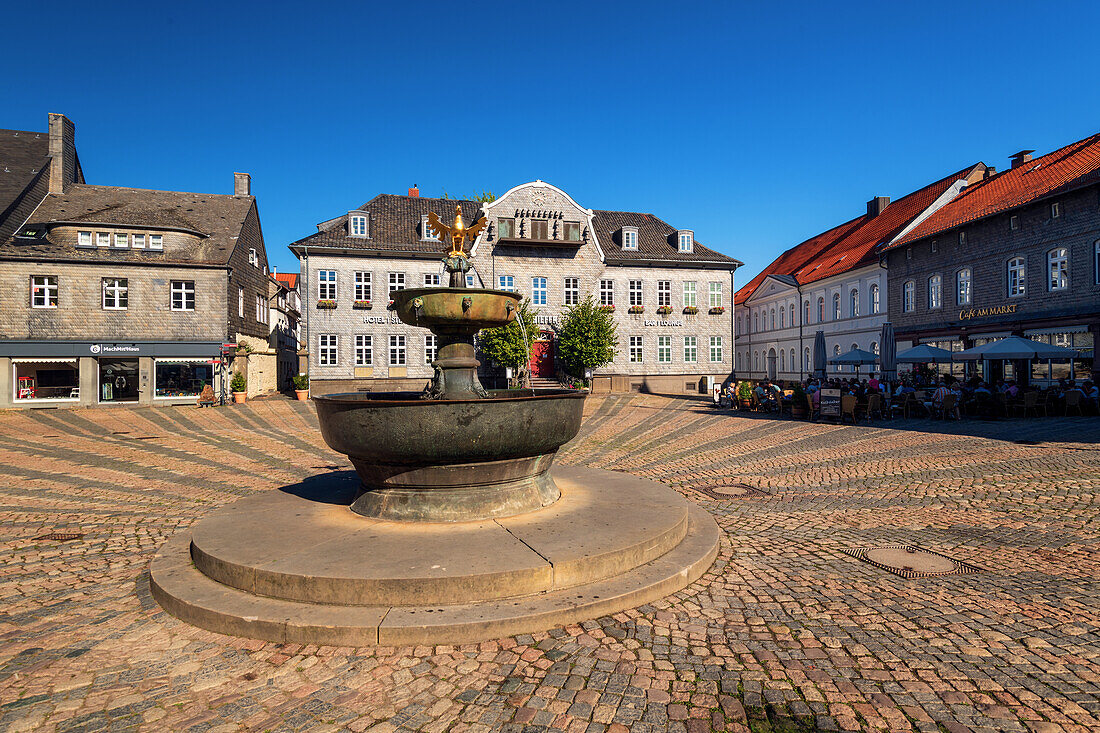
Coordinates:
<point>1075,166</point>
<point>394,225</point>
<point>22,156</point>
<point>217,217</point>
<point>852,244</point>
<point>656,241</point>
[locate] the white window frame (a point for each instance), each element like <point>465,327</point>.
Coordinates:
<point>716,349</point>
<point>50,287</point>
<point>635,350</point>
<point>397,281</point>
<point>691,349</point>
<point>607,292</point>
<point>685,240</point>
<point>935,292</point>
<point>398,350</point>
<point>183,289</point>
<point>328,349</point>
<point>240,302</point>
<point>156,241</point>
<point>539,291</point>
<point>506,283</point>
<point>664,349</point>
<point>1055,210</point>
<point>908,296</point>
<point>364,350</point>
<point>1016,277</point>
<point>690,295</point>
<point>1014,222</point>
<point>836,307</point>
<point>634,293</point>
<point>431,348</point>
<point>357,225</point>
<point>964,282</point>
<point>821,309</point>
<point>85,239</point>
<point>103,239</point>
<point>364,285</point>
<point>426,234</point>
<point>853,302</point>
<point>327,285</point>
<point>714,294</point>
<point>118,293</point>
<point>630,238</point>
<point>261,308</point>
<point>571,290</point>
<point>137,241</point>
<point>1058,269</point>
<point>431,279</point>
<point>664,293</point>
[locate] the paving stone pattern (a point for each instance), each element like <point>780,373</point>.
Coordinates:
<point>785,631</point>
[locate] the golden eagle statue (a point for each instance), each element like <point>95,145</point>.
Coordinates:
<point>457,234</point>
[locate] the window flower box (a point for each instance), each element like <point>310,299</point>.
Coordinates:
<point>362,305</point>
<point>717,310</point>
<point>690,310</point>
<point>665,310</point>
<point>607,308</point>
<point>389,306</point>
<point>326,305</point>
<point>635,309</point>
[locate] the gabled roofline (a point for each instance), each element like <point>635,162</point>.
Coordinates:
<point>771,276</point>
<point>946,197</point>
<point>487,208</point>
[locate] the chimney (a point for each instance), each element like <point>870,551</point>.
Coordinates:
<point>242,184</point>
<point>62,152</point>
<point>414,191</point>
<point>990,172</point>
<point>1018,159</point>
<point>876,205</point>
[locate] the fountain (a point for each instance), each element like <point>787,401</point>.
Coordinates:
<point>459,528</point>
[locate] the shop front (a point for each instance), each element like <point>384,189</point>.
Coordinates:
<point>90,373</point>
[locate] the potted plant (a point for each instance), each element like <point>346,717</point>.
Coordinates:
<point>744,395</point>
<point>607,308</point>
<point>239,386</point>
<point>301,386</point>
<point>635,309</point>
<point>362,305</point>
<point>690,310</point>
<point>326,305</point>
<point>717,310</point>
<point>665,310</point>
<point>799,406</point>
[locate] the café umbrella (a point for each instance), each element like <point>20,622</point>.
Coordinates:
<point>855,358</point>
<point>888,360</point>
<point>924,354</point>
<point>1015,347</point>
<point>819,354</point>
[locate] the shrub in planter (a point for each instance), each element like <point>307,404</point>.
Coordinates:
<point>301,386</point>
<point>635,309</point>
<point>326,305</point>
<point>665,310</point>
<point>690,310</point>
<point>744,394</point>
<point>799,408</point>
<point>363,305</point>
<point>607,308</point>
<point>239,386</point>
<point>717,310</point>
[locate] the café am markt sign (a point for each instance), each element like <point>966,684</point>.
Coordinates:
<point>998,310</point>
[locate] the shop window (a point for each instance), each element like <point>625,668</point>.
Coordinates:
<point>364,350</point>
<point>182,379</point>
<point>115,293</point>
<point>1058,269</point>
<point>118,380</point>
<point>46,381</point>
<point>44,291</point>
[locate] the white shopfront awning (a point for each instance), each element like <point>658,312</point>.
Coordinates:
<point>44,360</point>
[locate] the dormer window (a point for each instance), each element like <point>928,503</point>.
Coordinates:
<point>685,238</point>
<point>84,239</point>
<point>357,224</point>
<point>426,233</point>
<point>630,237</point>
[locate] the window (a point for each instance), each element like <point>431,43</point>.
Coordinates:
<point>183,295</point>
<point>1013,222</point>
<point>634,292</point>
<point>853,303</point>
<point>506,228</point>
<point>874,347</point>
<point>664,349</point>
<point>1017,277</point>
<point>364,350</point>
<point>935,246</point>
<point>431,278</point>
<point>806,359</point>
<point>426,232</point>
<point>756,321</point>
<point>1055,210</point>
<point>691,349</point>
<point>962,287</point>
<point>782,360</point>
<point>607,292</point>
<point>664,291</point>
<point>790,310</point>
<point>397,350</point>
<point>431,347</point>
<point>875,302</point>
<point>689,294</point>
<point>115,293</point>
<point>792,360</point>
<point>630,239</point>
<point>506,282</point>
<point>1058,268</point>
<point>685,239</point>
<point>539,229</point>
<point>327,348</point>
<point>755,360</point>
<point>358,225</point>
<point>240,302</point>
<point>138,241</point>
<point>572,231</point>
<point>635,349</point>
<point>397,281</point>
<point>84,239</point>
<point>821,309</point>
<point>908,253</point>
<point>738,360</point>
<point>782,323</point>
<point>805,312</point>
<point>182,380</point>
<point>935,292</point>
<point>773,318</point>
<point>962,239</point>
<point>103,239</point>
<point>836,306</point>
<point>538,291</point>
<point>44,291</point>
<point>156,241</point>
<point>572,291</point>
<point>363,286</point>
<point>714,295</point>
<point>470,281</point>
<point>326,284</point>
<point>716,348</point>
<point>253,258</point>
<point>261,308</point>
<point>1096,261</point>
<point>908,292</point>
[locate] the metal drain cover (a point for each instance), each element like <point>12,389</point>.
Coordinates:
<point>910,561</point>
<point>723,492</point>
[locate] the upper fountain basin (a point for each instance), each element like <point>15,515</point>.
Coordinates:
<point>465,309</point>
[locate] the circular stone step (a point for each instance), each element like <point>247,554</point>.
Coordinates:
<point>314,548</point>
<point>192,596</point>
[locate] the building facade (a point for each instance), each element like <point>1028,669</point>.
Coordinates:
<point>286,326</point>
<point>670,295</point>
<point>1017,253</point>
<point>113,294</point>
<point>832,282</point>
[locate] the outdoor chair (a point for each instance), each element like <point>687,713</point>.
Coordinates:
<point>874,406</point>
<point>1073,402</point>
<point>1030,404</point>
<point>812,411</point>
<point>914,402</point>
<point>950,406</point>
<point>848,407</point>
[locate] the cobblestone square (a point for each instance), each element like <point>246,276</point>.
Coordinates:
<point>786,630</point>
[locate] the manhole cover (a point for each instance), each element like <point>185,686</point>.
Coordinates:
<point>60,536</point>
<point>731,491</point>
<point>910,561</point>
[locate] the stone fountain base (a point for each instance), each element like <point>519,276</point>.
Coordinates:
<point>304,568</point>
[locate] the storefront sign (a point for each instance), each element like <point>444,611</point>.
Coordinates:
<point>830,403</point>
<point>548,320</point>
<point>665,324</point>
<point>381,319</point>
<point>115,349</point>
<point>999,310</point>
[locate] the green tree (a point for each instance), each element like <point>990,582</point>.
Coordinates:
<point>586,337</point>
<point>485,197</point>
<point>507,346</point>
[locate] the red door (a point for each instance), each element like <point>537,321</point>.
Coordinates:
<point>542,359</point>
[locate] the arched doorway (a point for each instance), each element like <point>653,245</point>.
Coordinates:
<point>771,364</point>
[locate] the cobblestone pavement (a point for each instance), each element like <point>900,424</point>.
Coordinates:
<point>786,624</point>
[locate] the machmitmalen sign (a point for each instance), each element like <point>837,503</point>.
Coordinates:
<point>998,310</point>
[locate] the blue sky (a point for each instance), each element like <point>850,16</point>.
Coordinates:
<point>757,125</point>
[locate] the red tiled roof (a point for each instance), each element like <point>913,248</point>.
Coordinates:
<point>1072,167</point>
<point>852,244</point>
<point>290,279</point>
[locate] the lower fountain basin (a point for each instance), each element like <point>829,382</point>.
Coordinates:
<point>451,460</point>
